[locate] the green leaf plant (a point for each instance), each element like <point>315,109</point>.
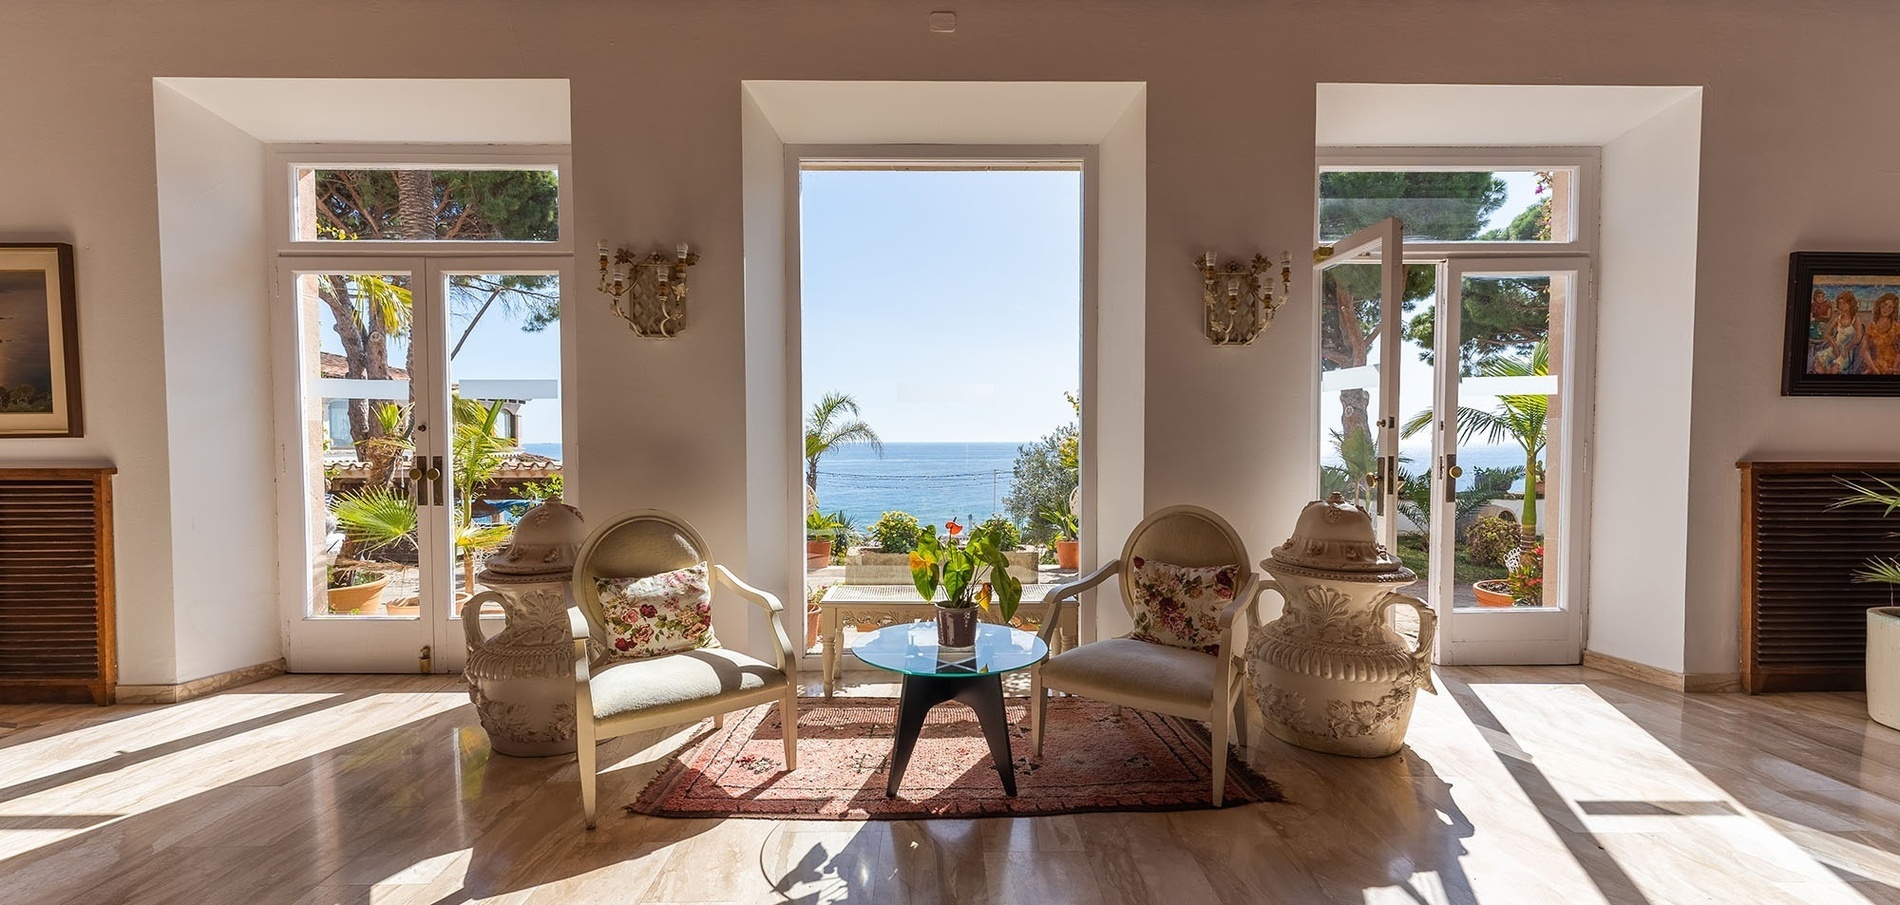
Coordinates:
<point>972,573</point>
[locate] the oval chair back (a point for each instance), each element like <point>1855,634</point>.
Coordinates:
<point>633,544</point>
<point>1184,536</point>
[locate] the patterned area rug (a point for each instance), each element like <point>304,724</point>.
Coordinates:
<point>1093,760</point>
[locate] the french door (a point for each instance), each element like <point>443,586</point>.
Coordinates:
<point>413,393</point>
<point>1450,407</point>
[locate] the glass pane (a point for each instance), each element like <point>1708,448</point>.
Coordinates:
<point>1349,381</point>
<point>1417,459</point>
<point>1451,205</point>
<point>513,205</point>
<point>504,341</point>
<point>1510,419</point>
<point>357,406</point>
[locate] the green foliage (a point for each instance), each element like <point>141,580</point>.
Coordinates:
<point>1413,552</point>
<point>1519,417</point>
<point>1495,481</point>
<point>1504,317</point>
<point>377,518</point>
<point>521,205</point>
<point>1061,519</point>
<point>1041,483</point>
<point>833,422</point>
<point>1415,501</point>
<point>971,574</point>
<point>819,526</point>
<point>1527,577</point>
<point>1004,529</point>
<point>1439,205</point>
<point>1886,495</point>
<point>1489,540</point>
<point>538,491</point>
<point>350,578</point>
<point>896,532</point>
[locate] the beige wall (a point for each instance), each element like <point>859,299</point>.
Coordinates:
<point>1798,139</point>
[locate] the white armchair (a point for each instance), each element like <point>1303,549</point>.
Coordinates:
<point>1158,677</point>
<point>619,697</point>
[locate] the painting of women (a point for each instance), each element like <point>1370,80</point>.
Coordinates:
<point>1839,351</point>
<point>1880,348</point>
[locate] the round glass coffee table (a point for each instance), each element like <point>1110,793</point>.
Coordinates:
<point>933,675</point>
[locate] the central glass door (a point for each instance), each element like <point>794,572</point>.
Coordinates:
<point>423,415</point>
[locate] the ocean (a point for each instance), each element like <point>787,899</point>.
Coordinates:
<point>932,481</point>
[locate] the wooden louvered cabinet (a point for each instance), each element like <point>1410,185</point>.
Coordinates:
<point>56,614</point>
<point>1804,617</point>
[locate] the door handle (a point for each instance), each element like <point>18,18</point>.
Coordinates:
<point>1452,472</point>
<point>434,475</point>
<point>418,486</point>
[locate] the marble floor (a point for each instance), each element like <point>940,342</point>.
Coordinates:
<point>1546,785</point>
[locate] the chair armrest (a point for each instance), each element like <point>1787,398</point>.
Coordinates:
<point>579,632</point>
<point>1233,629</point>
<point>1059,593</point>
<point>756,596</point>
<point>577,628</point>
<point>775,616</point>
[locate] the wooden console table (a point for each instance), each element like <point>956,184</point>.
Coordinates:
<point>877,605</point>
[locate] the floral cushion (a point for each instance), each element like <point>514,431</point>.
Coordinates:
<point>1180,605</point>
<point>659,614</point>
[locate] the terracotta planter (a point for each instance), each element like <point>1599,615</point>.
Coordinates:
<point>1068,554</point>
<point>956,626</point>
<point>812,618</point>
<point>407,606</point>
<point>817,553</point>
<point>1494,592</point>
<point>360,600</point>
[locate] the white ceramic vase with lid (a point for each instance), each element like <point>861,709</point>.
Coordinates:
<point>522,679</point>
<point>1329,674</point>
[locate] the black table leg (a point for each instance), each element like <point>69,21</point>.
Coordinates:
<point>984,694</point>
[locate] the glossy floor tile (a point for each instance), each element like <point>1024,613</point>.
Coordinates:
<point>1519,785</point>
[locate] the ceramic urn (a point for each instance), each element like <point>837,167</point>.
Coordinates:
<point>1329,674</point>
<point>522,679</point>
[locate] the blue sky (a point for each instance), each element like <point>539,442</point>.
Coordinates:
<point>947,302</point>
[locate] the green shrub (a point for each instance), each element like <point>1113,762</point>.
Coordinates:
<point>1489,539</point>
<point>896,532</point>
<point>1008,536</point>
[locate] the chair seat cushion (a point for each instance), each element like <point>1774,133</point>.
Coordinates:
<point>657,686</point>
<point>1136,673</point>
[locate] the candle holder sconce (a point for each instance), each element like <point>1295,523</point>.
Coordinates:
<point>649,292</point>
<point>1237,300</point>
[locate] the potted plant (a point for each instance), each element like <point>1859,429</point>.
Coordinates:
<point>1062,518</point>
<point>819,531</point>
<point>1883,622</point>
<point>355,591</point>
<point>813,611</point>
<point>971,575</point>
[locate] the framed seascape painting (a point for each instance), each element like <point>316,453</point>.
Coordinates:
<point>39,342</point>
<point>1843,325</point>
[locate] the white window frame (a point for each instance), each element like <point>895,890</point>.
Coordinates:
<point>1081,158</point>
<point>1495,256</point>
<point>280,192</point>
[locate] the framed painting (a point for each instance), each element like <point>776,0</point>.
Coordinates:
<point>39,342</point>
<point>1843,334</point>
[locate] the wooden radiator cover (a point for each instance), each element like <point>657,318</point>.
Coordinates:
<point>1804,617</point>
<point>56,614</point>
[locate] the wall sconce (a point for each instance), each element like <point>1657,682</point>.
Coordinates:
<point>648,293</point>
<point>1239,304</point>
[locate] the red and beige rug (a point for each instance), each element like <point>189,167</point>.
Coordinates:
<point>1093,760</point>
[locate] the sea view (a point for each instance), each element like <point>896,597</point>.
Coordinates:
<point>932,481</point>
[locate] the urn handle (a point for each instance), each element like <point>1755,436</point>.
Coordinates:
<point>472,617</point>
<point>1427,633</point>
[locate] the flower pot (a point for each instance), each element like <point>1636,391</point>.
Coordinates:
<point>956,626</point>
<point>1494,592</point>
<point>1068,554</point>
<point>358,600</point>
<point>406,606</point>
<point>817,553</point>
<point>812,618</point>
<point>1883,665</point>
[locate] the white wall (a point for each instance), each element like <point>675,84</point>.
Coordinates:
<point>218,391</point>
<point>774,479</point>
<point>1792,159</point>
<point>1639,454</point>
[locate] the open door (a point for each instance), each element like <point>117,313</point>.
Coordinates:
<point>1360,287</point>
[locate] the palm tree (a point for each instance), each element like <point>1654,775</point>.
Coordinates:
<point>1519,417</point>
<point>833,422</point>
